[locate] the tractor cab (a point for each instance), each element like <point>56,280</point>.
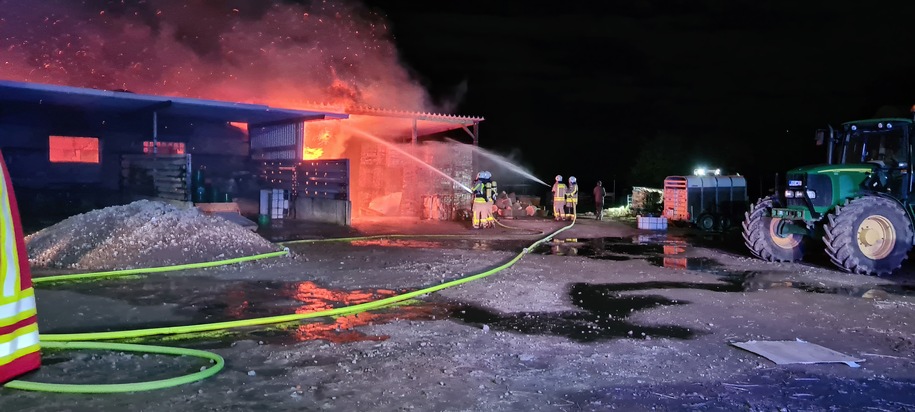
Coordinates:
<point>881,145</point>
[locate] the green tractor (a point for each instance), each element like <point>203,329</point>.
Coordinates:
<point>858,203</point>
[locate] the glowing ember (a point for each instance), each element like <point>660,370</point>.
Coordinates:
<point>312,153</point>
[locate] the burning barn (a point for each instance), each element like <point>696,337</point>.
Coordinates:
<point>72,149</point>
<point>399,166</point>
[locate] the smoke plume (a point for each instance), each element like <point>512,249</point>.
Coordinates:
<point>276,53</point>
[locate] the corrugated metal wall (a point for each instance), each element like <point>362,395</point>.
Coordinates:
<point>277,142</point>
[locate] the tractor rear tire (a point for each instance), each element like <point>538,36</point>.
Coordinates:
<point>869,235</point>
<point>761,236</point>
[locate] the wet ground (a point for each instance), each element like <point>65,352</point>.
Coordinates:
<point>205,299</point>
<point>674,252</point>
<point>602,317</point>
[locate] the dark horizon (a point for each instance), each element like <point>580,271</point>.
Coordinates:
<point>597,91</point>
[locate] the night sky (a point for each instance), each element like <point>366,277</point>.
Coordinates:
<point>644,89</point>
<point>633,92</point>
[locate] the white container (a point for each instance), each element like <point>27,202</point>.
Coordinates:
<point>652,223</point>
<point>279,204</point>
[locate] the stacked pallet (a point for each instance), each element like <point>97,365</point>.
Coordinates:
<point>162,176</point>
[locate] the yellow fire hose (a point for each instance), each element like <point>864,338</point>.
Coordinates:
<point>84,340</point>
<point>126,272</point>
<point>122,387</point>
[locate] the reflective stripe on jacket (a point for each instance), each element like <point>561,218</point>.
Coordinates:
<point>572,195</point>
<point>479,189</point>
<point>559,192</point>
<point>18,317</point>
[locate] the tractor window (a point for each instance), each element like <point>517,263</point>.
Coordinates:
<point>876,146</point>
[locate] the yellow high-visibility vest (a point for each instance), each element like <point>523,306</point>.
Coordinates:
<point>19,348</point>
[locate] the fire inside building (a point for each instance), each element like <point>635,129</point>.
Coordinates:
<point>73,149</point>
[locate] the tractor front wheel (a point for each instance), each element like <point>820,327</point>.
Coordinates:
<point>869,235</point>
<point>761,235</point>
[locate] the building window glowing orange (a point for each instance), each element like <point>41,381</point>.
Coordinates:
<point>67,149</point>
<point>164,148</point>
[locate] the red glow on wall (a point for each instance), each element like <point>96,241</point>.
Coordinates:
<point>240,126</point>
<point>67,149</point>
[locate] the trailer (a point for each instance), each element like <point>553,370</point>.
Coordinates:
<point>707,202</point>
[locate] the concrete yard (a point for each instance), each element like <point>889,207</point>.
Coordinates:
<point>604,317</point>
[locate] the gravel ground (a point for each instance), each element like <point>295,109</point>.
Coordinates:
<point>140,234</point>
<point>606,317</point>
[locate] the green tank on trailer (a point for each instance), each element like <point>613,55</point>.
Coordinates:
<point>857,206</point>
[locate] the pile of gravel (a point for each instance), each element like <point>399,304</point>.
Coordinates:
<point>141,234</point>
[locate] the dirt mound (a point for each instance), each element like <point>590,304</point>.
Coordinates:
<point>141,234</point>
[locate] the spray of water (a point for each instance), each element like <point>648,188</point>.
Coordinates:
<point>504,163</point>
<point>377,139</point>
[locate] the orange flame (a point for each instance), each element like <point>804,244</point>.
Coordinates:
<point>240,126</point>
<point>312,153</point>
<point>325,137</point>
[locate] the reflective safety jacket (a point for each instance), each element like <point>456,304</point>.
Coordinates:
<point>559,192</point>
<point>18,319</point>
<point>572,194</point>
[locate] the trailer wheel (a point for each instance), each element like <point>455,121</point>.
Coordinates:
<point>706,222</point>
<point>869,235</point>
<point>724,223</point>
<point>760,234</point>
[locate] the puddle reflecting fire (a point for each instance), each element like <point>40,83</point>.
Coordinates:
<point>208,300</point>
<point>449,243</point>
<point>343,328</point>
<point>308,297</point>
<point>405,243</point>
<point>675,252</point>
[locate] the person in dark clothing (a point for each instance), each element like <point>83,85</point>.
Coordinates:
<point>599,194</point>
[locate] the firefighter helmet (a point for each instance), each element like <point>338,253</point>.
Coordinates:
<point>572,179</point>
<point>558,178</point>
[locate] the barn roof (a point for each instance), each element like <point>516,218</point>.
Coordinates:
<point>123,102</point>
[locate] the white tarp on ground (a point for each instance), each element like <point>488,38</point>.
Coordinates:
<point>784,352</point>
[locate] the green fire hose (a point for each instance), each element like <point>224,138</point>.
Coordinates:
<point>84,340</point>
<point>123,387</point>
<point>126,272</point>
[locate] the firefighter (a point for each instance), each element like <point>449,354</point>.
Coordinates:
<point>559,199</point>
<point>491,193</point>
<point>19,351</point>
<point>479,202</point>
<point>572,198</point>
